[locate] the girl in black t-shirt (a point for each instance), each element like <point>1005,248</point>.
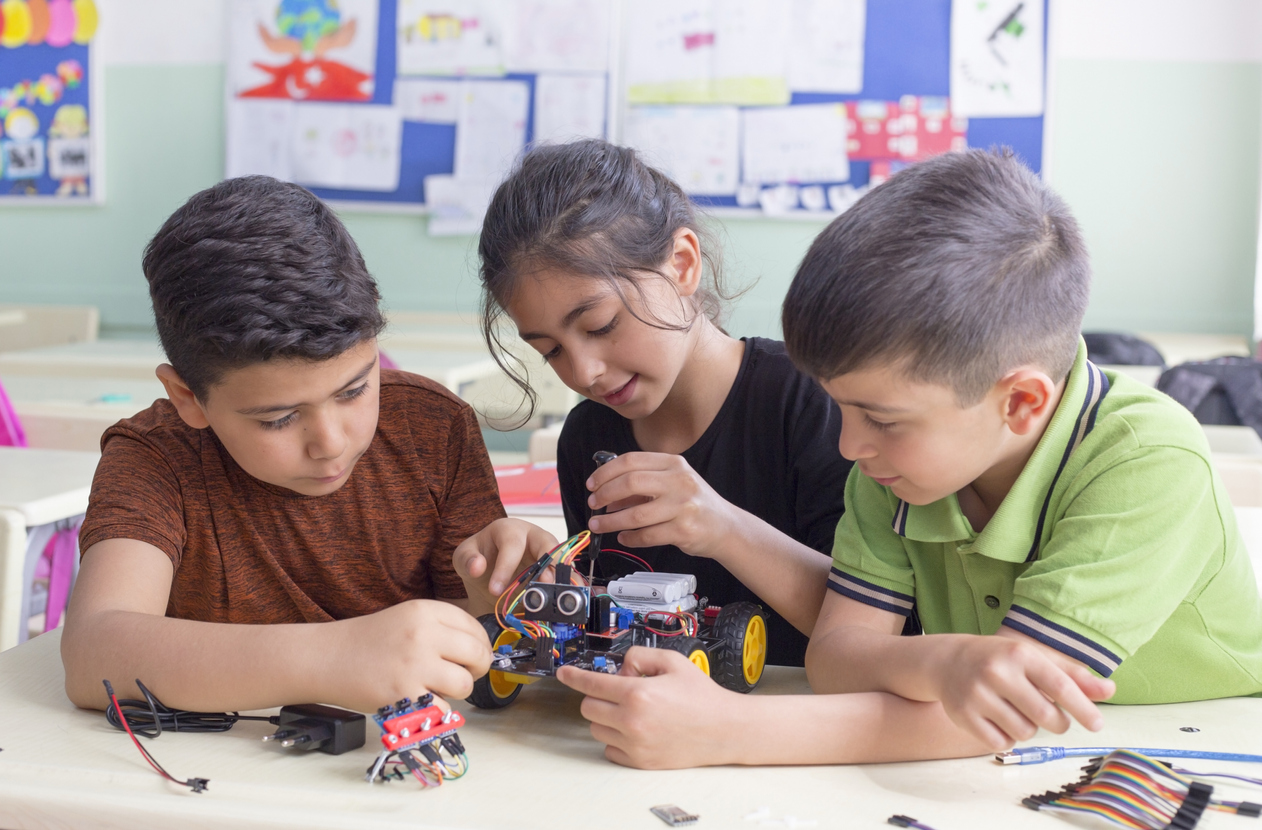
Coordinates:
<point>728,464</point>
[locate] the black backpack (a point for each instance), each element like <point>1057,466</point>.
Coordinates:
<point>1226,390</point>
<point>1121,350</point>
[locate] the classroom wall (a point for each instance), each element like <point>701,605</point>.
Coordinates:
<point>1155,114</point>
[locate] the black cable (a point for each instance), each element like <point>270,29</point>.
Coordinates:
<point>150,717</point>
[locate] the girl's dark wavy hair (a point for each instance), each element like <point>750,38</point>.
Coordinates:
<point>254,269</point>
<point>594,209</point>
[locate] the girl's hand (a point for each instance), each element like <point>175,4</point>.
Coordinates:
<point>657,499</point>
<point>659,712</point>
<point>490,559</point>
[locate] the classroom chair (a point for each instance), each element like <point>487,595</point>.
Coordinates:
<point>51,552</point>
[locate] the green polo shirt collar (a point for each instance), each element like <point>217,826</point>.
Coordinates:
<point>1015,532</point>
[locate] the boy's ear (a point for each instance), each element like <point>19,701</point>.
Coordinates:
<point>687,263</point>
<point>182,397</point>
<point>1028,396</point>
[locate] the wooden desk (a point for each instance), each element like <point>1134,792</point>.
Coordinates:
<point>37,489</point>
<point>533,765</point>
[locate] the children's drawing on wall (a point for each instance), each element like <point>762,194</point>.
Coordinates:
<point>457,37</point>
<point>23,151</point>
<point>70,150</point>
<point>997,58</point>
<point>45,146</point>
<point>313,50</point>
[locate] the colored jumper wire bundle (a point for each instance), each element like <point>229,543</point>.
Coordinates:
<point>1133,790</point>
<point>409,730</point>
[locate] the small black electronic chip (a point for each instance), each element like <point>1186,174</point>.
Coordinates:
<point>674,816</point>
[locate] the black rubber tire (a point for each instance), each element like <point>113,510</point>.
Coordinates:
<point>729,658</point>
<point>686,646</point>
<point>483,695</point>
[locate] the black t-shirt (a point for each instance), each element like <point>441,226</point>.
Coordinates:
<point>771,451</point>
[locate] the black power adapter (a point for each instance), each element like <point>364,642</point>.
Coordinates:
<point>314,726</point>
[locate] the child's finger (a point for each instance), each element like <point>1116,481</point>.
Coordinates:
<point>1054,682</point>
<point>602,714</point>
<point>609,687</point>
<point>1095,688</point>
<point>450,680</point>
<point>619,757</point>
<point>651,662</point>
<point>468,559</point>
<point>637,485</point>
<point>624,464</point>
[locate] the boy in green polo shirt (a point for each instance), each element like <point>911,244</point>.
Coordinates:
<point>1058,530</point>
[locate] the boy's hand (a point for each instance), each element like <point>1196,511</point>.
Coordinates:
<point>489,560</point>
<point>1002,689</point>
<point>659,712</point>
<point>658,499</point>
<point>408,649</point>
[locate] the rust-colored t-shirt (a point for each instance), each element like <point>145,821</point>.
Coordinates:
<point>249,552</point>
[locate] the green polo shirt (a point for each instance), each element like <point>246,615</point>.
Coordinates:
<point>1117,546</point>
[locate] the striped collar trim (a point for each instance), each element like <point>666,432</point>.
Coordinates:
<point>1097,388</point>
<point>1067,642</point>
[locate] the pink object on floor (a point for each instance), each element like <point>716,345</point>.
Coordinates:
<point>60,553</point>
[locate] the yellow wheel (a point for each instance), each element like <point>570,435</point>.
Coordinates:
<point>690,647</point>
<point>502,685</point>
<point>495,689</point>
<point>754,652</point>
<point>740,648</point>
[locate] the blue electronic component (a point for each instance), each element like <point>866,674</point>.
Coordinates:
<point>625,617</point>
<point>599,663</point>
<point>507,648</point>
<point>563,632</point>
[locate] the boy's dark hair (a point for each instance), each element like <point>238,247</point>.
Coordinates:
<point>955,270</point>
<point>254,269</point>
<point>588,208</point>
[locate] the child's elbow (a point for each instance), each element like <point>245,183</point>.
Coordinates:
<point>84,690</point>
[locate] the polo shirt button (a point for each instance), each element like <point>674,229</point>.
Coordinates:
<point>992,601</point>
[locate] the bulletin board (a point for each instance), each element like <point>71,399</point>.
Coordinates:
<point>902,97</point>
<point>50,111</point>
<point>426,147</point>
<point>898,94</point>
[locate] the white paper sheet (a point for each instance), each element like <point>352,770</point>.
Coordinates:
<point>708,51</point>
<point>806,143</point>
<point>827,46</point>
<point>569,107</point>
<point>350,146</point>
<point>260,135</point>
<point>997,58</point>
<point>751,40</point>
<point>490,128</point>
<point>70,158</point>
<point>557,35</point>
<point>455,206</point>
<point>427,99</point>
<point>699,147</point>
<point>255,37</point>
<point>669,42</point>
<point>455,37</point>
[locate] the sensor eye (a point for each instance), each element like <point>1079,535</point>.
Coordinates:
<point>534,600</point>
<point>570,603</point>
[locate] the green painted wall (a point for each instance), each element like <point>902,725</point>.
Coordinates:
<point>1159,161</point>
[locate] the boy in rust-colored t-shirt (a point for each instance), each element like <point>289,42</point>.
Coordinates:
<point>282,529</point>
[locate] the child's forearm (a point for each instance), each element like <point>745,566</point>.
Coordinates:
<point>864,728</point>
<point>852,658</point>
<point>197,665</point>
<point>786,574</point>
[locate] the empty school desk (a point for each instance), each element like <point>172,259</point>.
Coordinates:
<point>70,413</point>
<point>532,765</point>
<point>38,488</point>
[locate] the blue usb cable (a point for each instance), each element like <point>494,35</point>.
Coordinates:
<point>1043,754</point>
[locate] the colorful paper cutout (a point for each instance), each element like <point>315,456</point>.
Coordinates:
<point>17,23</point>
<point>86,21</point>
<point>61,23</point>
<point>331,49</point>
<point>910,129</point>
<point>455,37</point>
<point>70,150</point>
<point>40,22</point>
